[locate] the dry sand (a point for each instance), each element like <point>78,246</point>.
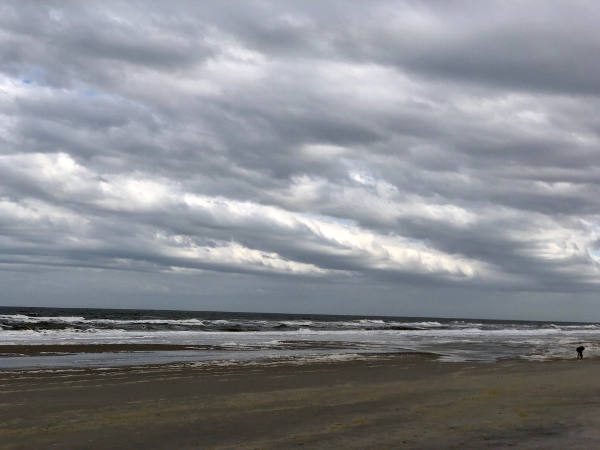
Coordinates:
<point>399,402</point>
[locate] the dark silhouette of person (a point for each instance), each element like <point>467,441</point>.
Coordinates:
<point>580,350</point>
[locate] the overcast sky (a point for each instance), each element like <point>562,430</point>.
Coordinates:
<point>433,158</point>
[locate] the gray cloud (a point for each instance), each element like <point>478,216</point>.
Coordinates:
<point>405,147</point>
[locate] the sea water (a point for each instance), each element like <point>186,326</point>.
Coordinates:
<point>227,336</point>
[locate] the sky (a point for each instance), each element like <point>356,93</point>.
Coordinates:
<point>435,158</point>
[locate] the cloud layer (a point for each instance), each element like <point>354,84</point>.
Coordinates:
<point>417,144</point>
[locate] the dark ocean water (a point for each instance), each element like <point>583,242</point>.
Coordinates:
<point>87,319</point>
<point>228,336</point>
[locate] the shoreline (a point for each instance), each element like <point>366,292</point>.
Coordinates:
<point>396,401</point>
<point>84,356</point>
<point>104,357</point>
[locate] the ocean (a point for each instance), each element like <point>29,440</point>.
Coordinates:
<point>228,337</point>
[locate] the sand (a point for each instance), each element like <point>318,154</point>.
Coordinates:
<point>62,349</point>
<point>395,402</point>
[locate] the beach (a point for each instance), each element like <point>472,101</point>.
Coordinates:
<point>411,401</point>
<point>317,224</point>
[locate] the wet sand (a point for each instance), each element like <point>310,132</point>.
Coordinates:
<point>63,349</point>
<point>393,402</point>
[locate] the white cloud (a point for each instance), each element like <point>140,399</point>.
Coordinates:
<point>65,180</point>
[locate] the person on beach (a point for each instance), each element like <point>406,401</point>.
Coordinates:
<point>580,350</point>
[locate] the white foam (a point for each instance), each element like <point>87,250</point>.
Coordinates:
<point>35,319</point>
<point>82,320</point>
